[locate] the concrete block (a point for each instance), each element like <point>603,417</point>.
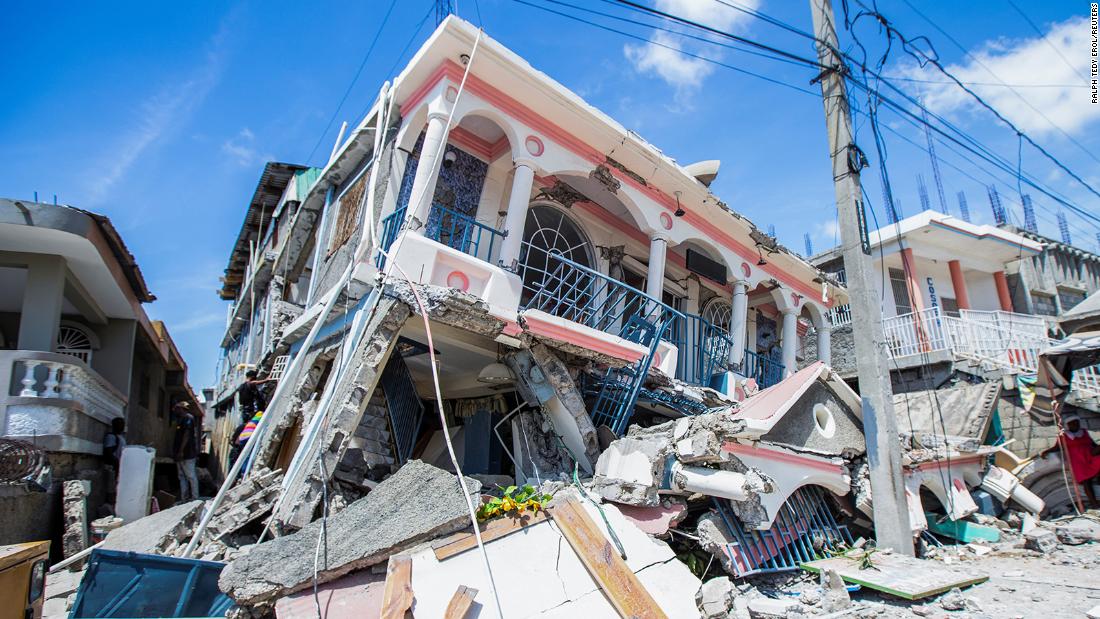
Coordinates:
<point>1041,540</point>
<point>629,471</point>
<point>715,598</point>
<point>417,503</point>
<point>769,608</point>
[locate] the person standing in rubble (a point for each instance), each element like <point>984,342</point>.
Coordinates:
<point>113,443</point>
<point>250,395</point>
<point>1083,454</point>
<point>185,449</point>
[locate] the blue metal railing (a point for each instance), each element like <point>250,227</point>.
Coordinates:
<point>704,349</point>
<point>462,232</point>
<point>392,225</point>
<point>804,530</point>
<point>765,370</point>
<point>556,285</point>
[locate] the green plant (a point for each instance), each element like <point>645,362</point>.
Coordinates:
<point>515,499</point>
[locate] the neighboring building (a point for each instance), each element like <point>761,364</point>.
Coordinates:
<point>531,218</point>
<point>1054,281</point>
<point>959,303</point>
<point>76,351</point>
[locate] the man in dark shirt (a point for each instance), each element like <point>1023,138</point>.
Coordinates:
<point>185,450</point>
<point>250,396</point>
<point>113,442</point>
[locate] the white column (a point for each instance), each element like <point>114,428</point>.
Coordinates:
<point>825,345</point>
<point>655,280</point>
<point>790,342</point>
<point>522,181</point>
<point>29,380</point>
<point>738,323</point>
<point>427,169</point>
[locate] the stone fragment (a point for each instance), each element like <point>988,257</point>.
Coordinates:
<point>836,592</point>
<point>156,533</point>
<point>953,600</point>
<point>1041,540</point>
<point>715,598</point>
<point>75,509</point>
<point>771,608</point>
<point>629,471</point>
<point>244,503</point>
<point>1078,531</point>
<point>417,503</point>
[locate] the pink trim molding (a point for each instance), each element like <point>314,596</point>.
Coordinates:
<point>561,333</point>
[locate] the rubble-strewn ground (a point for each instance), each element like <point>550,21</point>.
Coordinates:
<point>1022,583</point>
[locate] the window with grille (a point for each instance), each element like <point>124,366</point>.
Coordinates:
<point>1069,298</point>
<point>1044,305</point>
<point>348,219</point>
<point>902,303</point>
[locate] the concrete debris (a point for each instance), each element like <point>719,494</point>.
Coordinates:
<point>773,608</point>
<point>1078,531</point>
<point>836,596</point>
<point>715,598</point>
<point>245,503</point>
<point>417,503</point>
<point>1041,540</point>
<point>159,533</point>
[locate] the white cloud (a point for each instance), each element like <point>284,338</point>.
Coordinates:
<point>660,56</point>
<point>196,322</point>
<point>1061,59</point>
<point>828,231</point>
<point>242,148</point>
<point>157,117</point>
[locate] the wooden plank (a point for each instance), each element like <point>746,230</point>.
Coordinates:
<point>494,529</point>
<point>398,595</point>
<point>461,602</point>
<point>904,577</point>
<point>621,586</point>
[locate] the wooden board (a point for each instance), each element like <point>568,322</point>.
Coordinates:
<point>621,586</point>
<point>398,596</point>
<point>460,603</point>
<point>494,529</point>
<point>904,577</point>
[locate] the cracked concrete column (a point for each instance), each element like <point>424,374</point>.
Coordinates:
<point>655,280</point>
<point>738,326</point>
<point>790,342</point>
<point>825,345</point>
<point>522,181</point>
<point>427,170</point>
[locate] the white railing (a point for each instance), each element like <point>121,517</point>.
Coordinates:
<point>840,315</point>
<point>996,339</point>
<point>45,375</point>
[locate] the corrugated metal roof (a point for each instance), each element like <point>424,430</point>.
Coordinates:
<point>273,181</point>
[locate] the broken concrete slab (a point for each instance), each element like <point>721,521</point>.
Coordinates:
<point>630,471</point>
<point>244,503</point>
<point>156,533</point>
<point>304,486</point>
<point>352,597</point>
<point>417,503</point>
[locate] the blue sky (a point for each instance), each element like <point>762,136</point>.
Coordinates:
<point>162,118</point>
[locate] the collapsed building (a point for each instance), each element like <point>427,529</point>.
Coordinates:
<point>490,277</point>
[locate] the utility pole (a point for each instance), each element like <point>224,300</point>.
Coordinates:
<point>880,426</point>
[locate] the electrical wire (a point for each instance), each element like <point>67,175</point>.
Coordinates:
<point>669,47</point>
<point>358,72</point>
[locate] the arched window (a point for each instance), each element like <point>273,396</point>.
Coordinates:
<point>75,341</point>
<point>550,232</point>
<point>718,312</point>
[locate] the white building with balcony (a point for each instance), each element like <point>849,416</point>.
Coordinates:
<point>76,351</point>
<point>488,183</point>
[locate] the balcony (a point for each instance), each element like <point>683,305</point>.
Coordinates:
<point>564,300</point>
<point>56,401</point>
